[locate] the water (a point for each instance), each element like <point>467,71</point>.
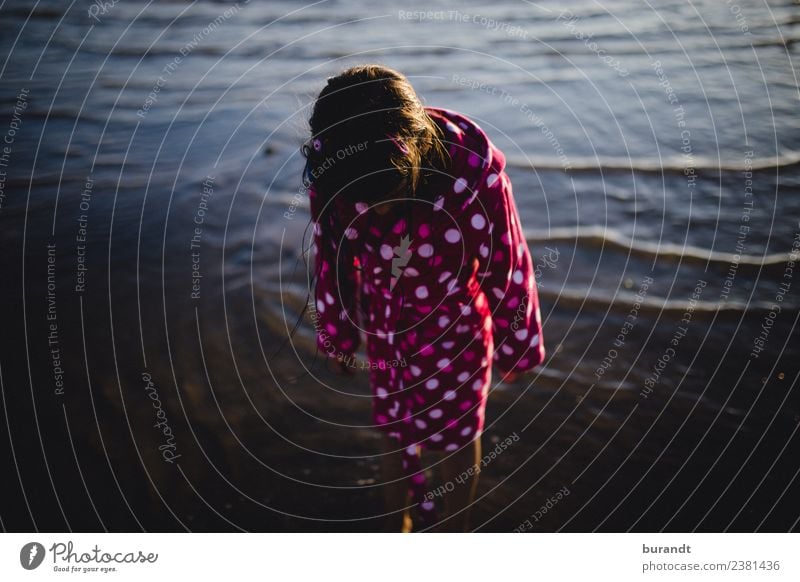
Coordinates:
<point>676,164</point>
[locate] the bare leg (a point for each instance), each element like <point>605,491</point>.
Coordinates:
<point>457,502</point>
<point>395,489</point>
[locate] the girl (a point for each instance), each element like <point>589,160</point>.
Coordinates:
<point>419,247</point>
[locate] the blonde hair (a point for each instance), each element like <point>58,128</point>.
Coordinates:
<point>369,135</point>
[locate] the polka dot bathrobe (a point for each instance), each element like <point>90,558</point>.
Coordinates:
<point>440,286</point>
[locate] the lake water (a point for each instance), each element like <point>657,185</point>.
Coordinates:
<point>153,232</point>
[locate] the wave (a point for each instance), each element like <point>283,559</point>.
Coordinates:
<point>671,164</point>
<point>668,308</point>
<point>605,238</point>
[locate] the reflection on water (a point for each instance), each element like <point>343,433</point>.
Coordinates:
<point>154,239</point>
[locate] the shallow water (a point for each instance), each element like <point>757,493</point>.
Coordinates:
<point>120,130</point>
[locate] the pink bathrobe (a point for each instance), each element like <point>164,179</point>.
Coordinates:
<point>441,287</point>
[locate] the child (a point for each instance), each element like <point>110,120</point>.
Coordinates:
<point>419,247</point>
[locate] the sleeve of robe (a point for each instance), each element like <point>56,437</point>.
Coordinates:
<point>508,279</point>
<point>335,316</point>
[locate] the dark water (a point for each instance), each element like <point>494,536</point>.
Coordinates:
<point>153,147</point>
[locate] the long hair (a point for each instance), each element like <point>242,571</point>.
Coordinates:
<point>371,136</point>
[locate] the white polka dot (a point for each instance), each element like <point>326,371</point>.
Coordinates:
<point>443,321</point>
<point>477,384</point>
<point>432,384</point>
<point>447,345</point>
<point>320,306</point>
<point>444,276</point>
<point>425,250</point>
<point>491,179</point>
<point>507,349</point>
<point>443,363</point>
<point>415,371</point>
<point>466,430</point>
<point>411,449</point>
<point>387,252</point>
<point>535,340</point>
<point>421,423</point>
<point>518,277</point>
<point>449,395</point>
<point>436,437</point>
<point>452,236</point>
<point>462,377</point>
<point>438,203</point>
<point>427,505</point>
<point>499,293</point>
<point>361,207</point>
<point>466,309</point>
<point>451,447</point>
<point>484,251</point>
<point>521,334</point>
<point>478,221</point>
<point>421,292</point>
<point>382,393</point>
<point>435,413</point>
<point>411,272</point>
<point>460,185</point>
<point>351,233</point>
<point>329,298</point>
